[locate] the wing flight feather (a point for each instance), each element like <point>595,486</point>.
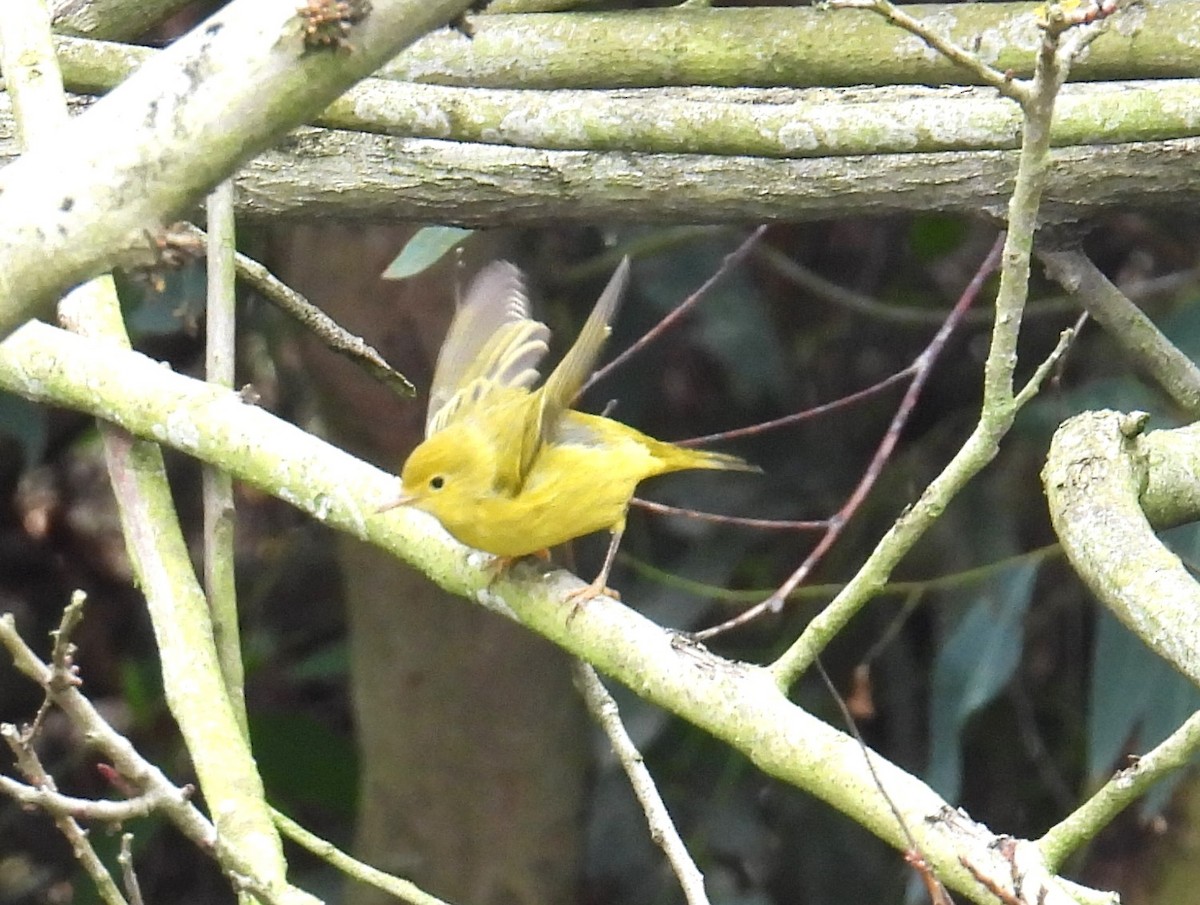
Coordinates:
<point>492,344</point>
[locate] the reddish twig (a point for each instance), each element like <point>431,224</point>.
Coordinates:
<point>913,855</point>
<point>769,524</point>
<point>797,417</point>
<point>731,260</point>
<point>921,368</point>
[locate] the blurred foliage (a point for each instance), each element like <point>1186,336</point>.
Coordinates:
<point>1010,692</point>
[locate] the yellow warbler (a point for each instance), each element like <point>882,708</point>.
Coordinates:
<point>512,470</point>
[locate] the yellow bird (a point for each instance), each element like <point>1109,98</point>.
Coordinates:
<point>513,470</point>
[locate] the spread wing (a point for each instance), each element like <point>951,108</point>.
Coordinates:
<point>563,384</point>
<point>492,344</point>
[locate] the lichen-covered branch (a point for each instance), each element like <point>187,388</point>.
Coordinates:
<point>1126,324</point>
<point>111,19</point>
<point>155,146</point>
<point>1094,479</point>
<point>775,122</point>
<point>772,46</point>
<point>738,703</point>
<point>331,173</point>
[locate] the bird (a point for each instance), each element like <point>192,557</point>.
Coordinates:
<point>514,470</point>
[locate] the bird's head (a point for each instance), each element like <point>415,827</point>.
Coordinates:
<point>445,474</point>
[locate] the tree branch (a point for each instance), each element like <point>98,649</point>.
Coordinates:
<point>144,776</point>
<point>603,708</point>
<point>782,46</point>
<point>155,146</point>
<point>738,703</point>
<point>1094,478</point>
<point>778,122</point>
<point>1126,325</point>
<point>111,19</point>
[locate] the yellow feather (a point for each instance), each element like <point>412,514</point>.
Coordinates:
<point>513,471</point>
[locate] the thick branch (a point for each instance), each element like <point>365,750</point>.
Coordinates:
<point>778,122</point>
<point>782,46</point>
<point>737,703</point>
<point>1094,479</point>
<point>111,19</point>
<point>152,148</point>
<point>332,173</point>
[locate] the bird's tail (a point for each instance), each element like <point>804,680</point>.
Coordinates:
<point>680,458</point>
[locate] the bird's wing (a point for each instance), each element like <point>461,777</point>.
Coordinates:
<point>492,343</point>
<point>563,384</point>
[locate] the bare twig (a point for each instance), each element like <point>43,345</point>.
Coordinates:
<point>913,854</point>
<point>30,764</point>
<point>45,796</point>
<point>1126,324</point>
<point>219,518</point>
<point>335,337</point>
<point>133,889</point>
<point>404,890</point>
<point>730,261</point>
<point>919,317</point>
<point>765,523</point>
<point>149,781</point>
<point>662,829</point>
<point>797,417</point>
<point>922,367</point>
<point>1001,81</point>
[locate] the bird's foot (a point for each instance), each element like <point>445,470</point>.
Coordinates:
<point>500,565</point>
<point>579,596</point>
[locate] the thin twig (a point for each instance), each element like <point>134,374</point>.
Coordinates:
<point>404,890</point>
<point>1126,324</point>
<point>731,260</point>
<point>922,367</point>
<point>913,855</point>
<point>172,801</point>
<point>918,317</point>
<point>335,337</point>
<point>603,708</point>
<point>949,581</point>
<point>217,491</point>
<point>796,417</point>
<point>743,521</point>
<point>31,765</point>
<point>1001,81</point>
<point>46,797</point>
<point>133,889</point>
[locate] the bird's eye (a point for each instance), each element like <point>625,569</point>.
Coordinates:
<point>437,482</point>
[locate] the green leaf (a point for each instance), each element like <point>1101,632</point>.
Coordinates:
<point>425,249</point>
<point>975,663</point>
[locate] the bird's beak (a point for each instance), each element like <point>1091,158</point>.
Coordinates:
<point>401,499</point>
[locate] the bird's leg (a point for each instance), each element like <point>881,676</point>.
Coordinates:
<point>501,564</point>
<point>599,584</point>
<point>498,567</point>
